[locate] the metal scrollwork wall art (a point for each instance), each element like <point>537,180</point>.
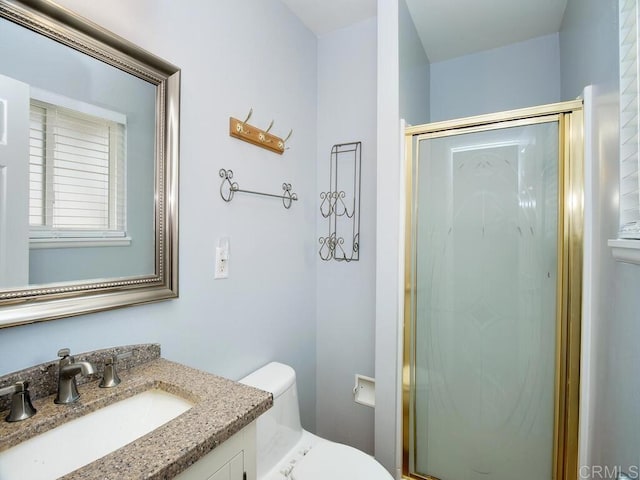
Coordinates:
<point>341,204</point>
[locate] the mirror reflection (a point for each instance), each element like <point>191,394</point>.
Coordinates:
<point>77,165</point>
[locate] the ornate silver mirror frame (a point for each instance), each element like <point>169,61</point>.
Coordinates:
<point>51,301</point>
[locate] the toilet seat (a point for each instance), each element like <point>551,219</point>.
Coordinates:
<point>328,460</point>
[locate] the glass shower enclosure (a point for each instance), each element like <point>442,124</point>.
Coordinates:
<point>490,332</point>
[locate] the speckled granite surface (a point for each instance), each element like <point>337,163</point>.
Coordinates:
<point>43,378</point>
<point>221,408</point>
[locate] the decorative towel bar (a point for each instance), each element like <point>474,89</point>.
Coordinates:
<point>228,188</point>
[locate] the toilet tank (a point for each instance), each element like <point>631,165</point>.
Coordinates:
<point>279,429</point>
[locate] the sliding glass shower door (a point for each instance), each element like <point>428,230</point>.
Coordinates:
<point>486,218</point>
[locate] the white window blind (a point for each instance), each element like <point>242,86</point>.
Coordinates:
<point>629,114</point>
<point>77,180</point>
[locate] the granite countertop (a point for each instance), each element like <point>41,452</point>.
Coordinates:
<point>221,408</point>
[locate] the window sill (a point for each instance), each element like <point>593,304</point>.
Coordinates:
<point>627,251</point>
<point>38,243</point>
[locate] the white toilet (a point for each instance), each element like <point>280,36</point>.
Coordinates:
<point>287,452</point>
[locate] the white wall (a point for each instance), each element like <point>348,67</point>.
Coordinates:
<point>611,424</point>
<point>415,70</point>
<point>345,291</point>
<point>234,54</point>
<point>524,74</point>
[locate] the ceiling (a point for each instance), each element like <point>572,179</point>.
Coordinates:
<point>447,28</point>
<point>323,16</point>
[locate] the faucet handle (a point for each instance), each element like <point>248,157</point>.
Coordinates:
<point>111,378</point>
<point>21,407</point>
<point>64,352</point>
<point>65,356</point>
<point>16,387</point>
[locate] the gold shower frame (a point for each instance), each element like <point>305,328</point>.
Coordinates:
<point>569,116</point>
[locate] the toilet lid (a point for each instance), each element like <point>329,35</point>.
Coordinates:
<point>328,460</point>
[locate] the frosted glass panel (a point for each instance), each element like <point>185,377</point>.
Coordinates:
<point>486,240</point>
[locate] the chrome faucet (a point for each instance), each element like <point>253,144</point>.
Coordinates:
<point>67,371</point>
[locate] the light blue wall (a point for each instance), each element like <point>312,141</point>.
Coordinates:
<point>345,291</point>
<point>234,55</point>
<point>589,46</point>
<point>523,74</point>
<point>589,52</point>
<point>389,208</point>
<point>415,70</point>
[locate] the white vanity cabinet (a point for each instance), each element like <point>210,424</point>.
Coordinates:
<point>234,459</point>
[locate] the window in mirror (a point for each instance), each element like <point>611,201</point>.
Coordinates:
<point>629,114</point>
<point>76,174</point>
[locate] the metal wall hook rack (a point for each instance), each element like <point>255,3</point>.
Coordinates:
<point>242,130</point>
<point>340,205</point>
<point>228,189</point>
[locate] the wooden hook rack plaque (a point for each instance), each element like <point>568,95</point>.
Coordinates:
<point>262,138</point>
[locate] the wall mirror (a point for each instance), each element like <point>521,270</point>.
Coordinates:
<point>89,145</point>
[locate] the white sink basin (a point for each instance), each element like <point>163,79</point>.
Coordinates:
<point>86,439</point>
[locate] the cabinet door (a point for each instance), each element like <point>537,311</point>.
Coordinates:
<point>228,461</point>
<point>234,470</point>
<point>236,467</point>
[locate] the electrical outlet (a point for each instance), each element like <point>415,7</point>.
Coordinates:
<point>222,263</point>
<point>222,259</point>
